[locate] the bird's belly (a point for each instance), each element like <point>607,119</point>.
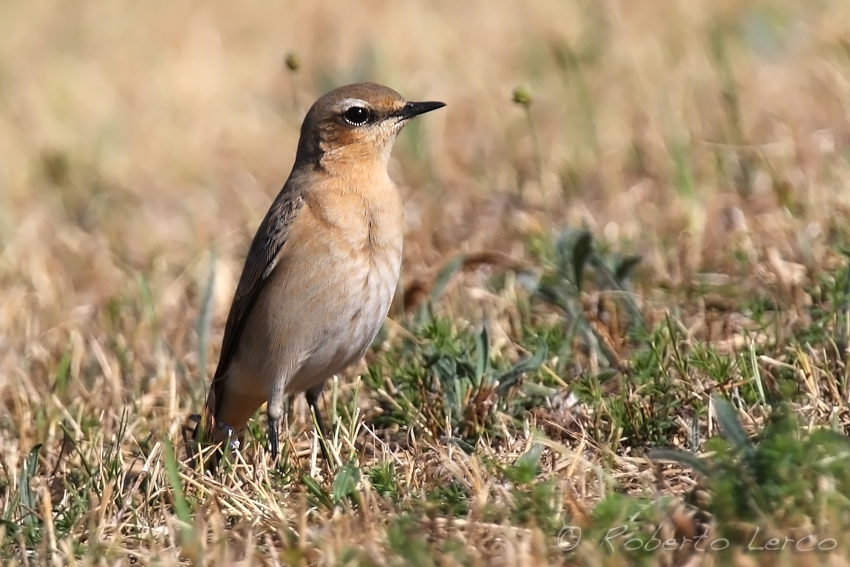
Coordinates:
<point>320,316</point>
<point>353,316</point>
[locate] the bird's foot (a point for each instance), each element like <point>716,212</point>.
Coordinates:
<point>230,435</point>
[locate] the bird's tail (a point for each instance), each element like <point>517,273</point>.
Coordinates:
<point>204,432</point>
<point>199,434</point>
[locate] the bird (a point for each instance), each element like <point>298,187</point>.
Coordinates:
<point>322,268</point>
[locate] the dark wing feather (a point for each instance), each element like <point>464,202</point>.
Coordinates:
<point>261,261</point>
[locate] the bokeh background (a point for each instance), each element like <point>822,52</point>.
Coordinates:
<point>142,142</point>
<point>136,137</point>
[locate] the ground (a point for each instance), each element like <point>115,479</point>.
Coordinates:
<point>624,305</point>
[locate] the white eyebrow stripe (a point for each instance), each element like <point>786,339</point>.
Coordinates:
<point>349,102</point>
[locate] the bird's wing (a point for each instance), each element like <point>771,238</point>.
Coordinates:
<point>261,261</point>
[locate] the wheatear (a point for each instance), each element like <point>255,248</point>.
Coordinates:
<point>323,267</point>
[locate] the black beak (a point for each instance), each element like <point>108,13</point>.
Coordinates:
<point>412,109</point>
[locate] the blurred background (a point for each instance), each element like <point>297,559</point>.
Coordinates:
<point>142,142</point>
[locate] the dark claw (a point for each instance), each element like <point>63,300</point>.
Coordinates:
<point>274,438</point>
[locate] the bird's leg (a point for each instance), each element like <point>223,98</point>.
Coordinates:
<point>312,396</point>
<point>223,434</point>
<point>193,437</point>
<point>274,413</point>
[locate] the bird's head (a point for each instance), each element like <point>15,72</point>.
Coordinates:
<point>355,126</point>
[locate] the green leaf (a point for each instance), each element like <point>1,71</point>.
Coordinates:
<point>727,418</point>
<point>465,445</point>
<point>684,458</point>
<point>12,528</point>
<point>530,458</point>
<point>625,266</point>
<point>27,498</point>
<point>445,276</point>
<point>63,373</point>
<point>181,507</point>
<point>580,255</point>
<point>606,374</point>
<point>345,483</point>
<point>320,493</point>
<point>482,350</point>
<point>551,295</point>
<point>426,312</point>
<point>510,377</point>
<point>189,536</point>
<point>526,467</point>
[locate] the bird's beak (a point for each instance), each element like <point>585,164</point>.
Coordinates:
<point>412,109</point>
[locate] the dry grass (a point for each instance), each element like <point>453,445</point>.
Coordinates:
<point>140,144</point>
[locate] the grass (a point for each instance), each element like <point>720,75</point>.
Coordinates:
<point>623,310</point>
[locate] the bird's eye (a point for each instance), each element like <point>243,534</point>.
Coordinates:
<point>357,115</point>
